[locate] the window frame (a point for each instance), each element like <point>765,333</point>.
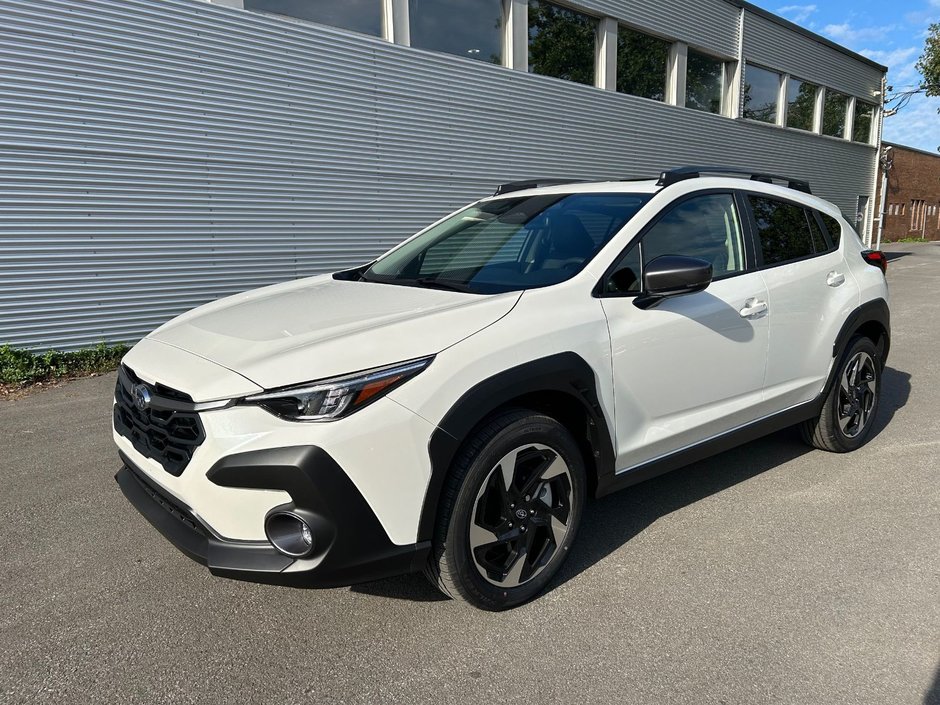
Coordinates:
<point>748,251</point>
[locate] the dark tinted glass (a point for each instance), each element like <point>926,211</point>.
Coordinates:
<point>509,244</point>
<point>706,227</point>
<point>761,94</point>
<point>834,114</point>
<point>783,230</point>
<point>358,15</point>
<point>835,230</point>
<point>471,28</point>
<point>641,64</point>
<point>861,128</point>
<point>801,104</point>
<point>561,42</point>
<point>819,241</point>
<point>703,82</point>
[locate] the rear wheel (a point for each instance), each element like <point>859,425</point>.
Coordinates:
<point>847,417</point>
<point>509,512</point>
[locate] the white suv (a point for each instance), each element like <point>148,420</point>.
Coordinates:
<point>450,406</point>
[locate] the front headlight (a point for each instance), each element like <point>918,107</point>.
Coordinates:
<point>334,398</point>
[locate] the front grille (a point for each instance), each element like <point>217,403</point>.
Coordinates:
<point>168,435</point>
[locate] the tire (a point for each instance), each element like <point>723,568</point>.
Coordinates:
<point>848,414</point>
<point>495,546</point>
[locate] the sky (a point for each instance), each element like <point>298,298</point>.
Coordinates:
<point>891,33</point>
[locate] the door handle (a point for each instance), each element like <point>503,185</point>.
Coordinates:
<point>753,307</point>
<point>835,278</point>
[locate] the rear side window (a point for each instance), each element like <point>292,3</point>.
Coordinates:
<point>783,230</point>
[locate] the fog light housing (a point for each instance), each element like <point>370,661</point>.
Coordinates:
<point>289,534</point>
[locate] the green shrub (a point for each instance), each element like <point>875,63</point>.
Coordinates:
<point>23,367</point>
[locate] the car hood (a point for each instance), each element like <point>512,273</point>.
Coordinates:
<point>320,327</point>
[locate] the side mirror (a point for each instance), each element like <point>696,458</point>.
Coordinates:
<point>672,275</point>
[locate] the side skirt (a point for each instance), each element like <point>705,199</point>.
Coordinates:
<point>710,447</point>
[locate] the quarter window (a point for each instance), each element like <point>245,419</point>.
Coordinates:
<point>562,42</point>
<point>358,15</point>
<point>641,64</point>
<point>783,230</point>
<point>835,230</point>
<point>801,104</point>
<point>761,94</point>
<point>469,28</point>
<point>704,82</point>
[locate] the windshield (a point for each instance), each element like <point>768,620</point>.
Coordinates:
<point>510,244</point>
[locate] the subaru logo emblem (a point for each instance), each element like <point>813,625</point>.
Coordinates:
<point>142,397</point>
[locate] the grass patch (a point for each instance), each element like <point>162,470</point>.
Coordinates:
<point>22,367</point>
<point>911,239</point>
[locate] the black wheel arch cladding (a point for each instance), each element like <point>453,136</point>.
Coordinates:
<point>563,373</point>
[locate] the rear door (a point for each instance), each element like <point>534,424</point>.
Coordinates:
<point>810,294</point>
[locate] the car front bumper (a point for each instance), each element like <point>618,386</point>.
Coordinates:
<point>350,545</point>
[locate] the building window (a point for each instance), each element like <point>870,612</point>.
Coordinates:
<point>358,15</point>
<point>704,82</point>
<point>801,104</point>
<point>470,28</point>
<point>834,113</point>
<point>917,215</point>
<point>761,94</point>
<point>562,42</point>
<point>641,64</point>
<point>861,129</point>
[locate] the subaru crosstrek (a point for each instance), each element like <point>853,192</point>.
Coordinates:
<point>450,406</point>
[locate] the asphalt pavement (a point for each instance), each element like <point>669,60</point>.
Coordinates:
<point>769,574</point>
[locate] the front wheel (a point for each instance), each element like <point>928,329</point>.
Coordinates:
<point>848,414</point>
<point>509,512</point>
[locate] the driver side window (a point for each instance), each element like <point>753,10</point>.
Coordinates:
<point>706,227</point>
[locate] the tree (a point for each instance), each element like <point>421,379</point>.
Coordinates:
<point>929,62</point>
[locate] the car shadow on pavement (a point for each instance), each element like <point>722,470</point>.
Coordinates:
<point>611,521</point>
<point>933,695</point>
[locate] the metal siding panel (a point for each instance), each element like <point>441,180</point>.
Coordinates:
<point>157,155</point>
<point>776,47</point>
<point>707,24</point>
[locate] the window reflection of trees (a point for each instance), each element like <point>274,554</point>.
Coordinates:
<point>641,64</point>
<point>561,42</point>
<point>783,229</point>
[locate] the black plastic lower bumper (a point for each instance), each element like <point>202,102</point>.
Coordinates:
<point>351,546</point>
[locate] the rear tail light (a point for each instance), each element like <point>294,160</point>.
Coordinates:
<point>876,258</point>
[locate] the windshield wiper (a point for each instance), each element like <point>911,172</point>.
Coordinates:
<point>446,284</point>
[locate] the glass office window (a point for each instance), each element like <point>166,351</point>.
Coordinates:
<point>641,64</point>
<point>801,104</point>
<point>562,42</point>
<point>471,28</point>
<point>358,15</point>
<point>861,129</point>
<point>704,82</point>
<point>761,94</point>
<point>834,114</point>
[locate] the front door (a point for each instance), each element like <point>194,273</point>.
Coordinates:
<point>692,367</point>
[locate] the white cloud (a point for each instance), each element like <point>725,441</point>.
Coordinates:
<point>900,63</point>
<point>846,33</point>
<point>917,124</point>
<point>800,13</point>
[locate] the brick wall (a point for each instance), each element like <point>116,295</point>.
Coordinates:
<point>912,205</point>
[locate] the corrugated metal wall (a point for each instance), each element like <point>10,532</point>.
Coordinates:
<point>158,154</point>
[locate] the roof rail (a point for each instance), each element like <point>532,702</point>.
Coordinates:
<point>673,176</point>
<point>533,183</point>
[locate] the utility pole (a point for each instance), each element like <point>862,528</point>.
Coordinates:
<point>886,164</point>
